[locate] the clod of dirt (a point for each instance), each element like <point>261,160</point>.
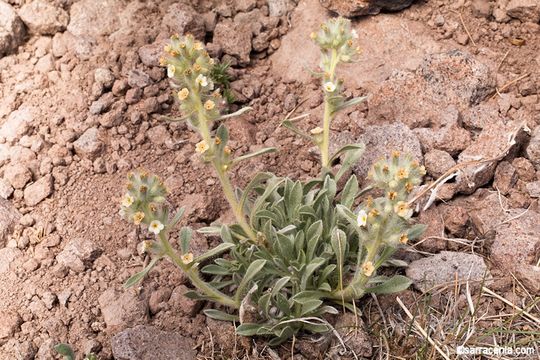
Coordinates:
<point>12,29</point>
<point>524,10</point>
<point>43,18</point>
<point>78,254</point>
<point>515,247</point>
<point>122,309</point>
<point>352,8</point>
<point>7,257</point>
<point>533,148</point>
<point>9,323</point>
<point>437,162</point>
<point>352,330</point>
<point>38,191</point>
<point>148,342</point>
<point>445,268</point>
<point>89,144</point>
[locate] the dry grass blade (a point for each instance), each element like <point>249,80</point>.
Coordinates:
<point>509,303</point>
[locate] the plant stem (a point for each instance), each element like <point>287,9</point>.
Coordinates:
<point>328,115</point>
<point>193,274</point>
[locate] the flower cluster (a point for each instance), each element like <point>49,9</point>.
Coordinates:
<point>142,202</point>
<point>189,66</point>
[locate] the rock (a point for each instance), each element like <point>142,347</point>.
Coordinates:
<point>524,168</point>
<point>352,330</point>
<point>17,124</point>
<point>432,240</point>
<point>12,29</point>
<point>45,64</point>
<point>179,302</point>
<point>10,321</point>
<point>158,135</point>
<point>38,191</point>
<point>89,144</point>
<point>532,150</point>
<point>382,140</point>
<point>115,116</point>
<point>150,54</point>
<point>445,268</point>
<point>456,220</point>
<point>224,336</point>
<point>505,177</point>
<point>87,18</point>
<point>182,19</point>
<point>524,10</point>
<point>148,342</point>
<point>43,18</point>
<point>5,189</point>
<point>122,309</point>
<point>17,174</point>
<point>437,162</point>
<point>534,189</point>
<point>482,8</point>
<point>9,217</point>
<point>515,247</point>
<point>158,299</point>
<point>245,5</point>
<point>278,7</point>
<point>138,79</point>
<point>352,8</point>
<point>78,254</point>
<point>8,256</point>
<point>104,77</point>
<point>234,38</point>
<point>491,142</point>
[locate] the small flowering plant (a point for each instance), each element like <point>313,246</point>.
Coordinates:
<point>297,250</point>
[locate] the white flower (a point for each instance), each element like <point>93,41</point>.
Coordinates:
<point>368,268</point>
<point>170,70</point>
<point>127,200</point>
<point>362,218</point>
<point>316,131</point>
<point>202,80</point>
<point>354,34</point>
<point>329,86</point>
<point>155,227</point>
<point>187,258</point>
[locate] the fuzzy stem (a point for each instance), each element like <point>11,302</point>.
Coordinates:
<point>193,274</point>
<point>328,115</point>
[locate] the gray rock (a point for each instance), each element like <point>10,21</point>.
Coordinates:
<point>182,19</point>
<point>515,247</point>
<point>104,77</point>
<point>7,257</point>
<point>123,309</point>
<point>524,10</point>
<point>9,324</point>
<point>534,189</point>
<point>234,38</point>
<point>9,217</point>
<point>138,79</point>
<point>382,140</point>
<point>102,104</point>
<point>352,8</point>
<point>88,18</point>
<point>278,7</point>
<point>353,332</point>
<point>17,124</point>
<point>148,342</point>
<point>437,162</point>
<point>38,191</point>
<point>533,148</point>
<point>5,189</point>
<point>444,268</point>
<point>12,29</point>
<point>78,254</point>
<point>89,144</point>
<point>150,54</point>
<point>43,18</point>
<point>17,174</point>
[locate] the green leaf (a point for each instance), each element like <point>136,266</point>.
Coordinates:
<point>215,270</point>
<point>177,217</point>
<point>236,113</point>
<point>310,306</point>
<point>221,248</point>
<point>395,284</point>
<point>136,278</point>
<point>338,240</point>
<point>289,125</point>
<point>351,102</point>
<point>253,154</point>
<point>279,285</point>
<point>415,231</point>
<point>210,230</point>
<point>223,133</point>
<point>350,159</point>
<point>65,350</point>
<point>309,270</point>
<point>348,194</point>
<point>220,315</point>
<point>307,295</point>
<point>248,329</point>
<point>256,181</point>
<point>251,272</point>
<point>225,234</point>
<point>346,149</point>
<point>185,238</point>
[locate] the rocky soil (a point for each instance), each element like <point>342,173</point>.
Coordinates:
<point>452,82</point>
